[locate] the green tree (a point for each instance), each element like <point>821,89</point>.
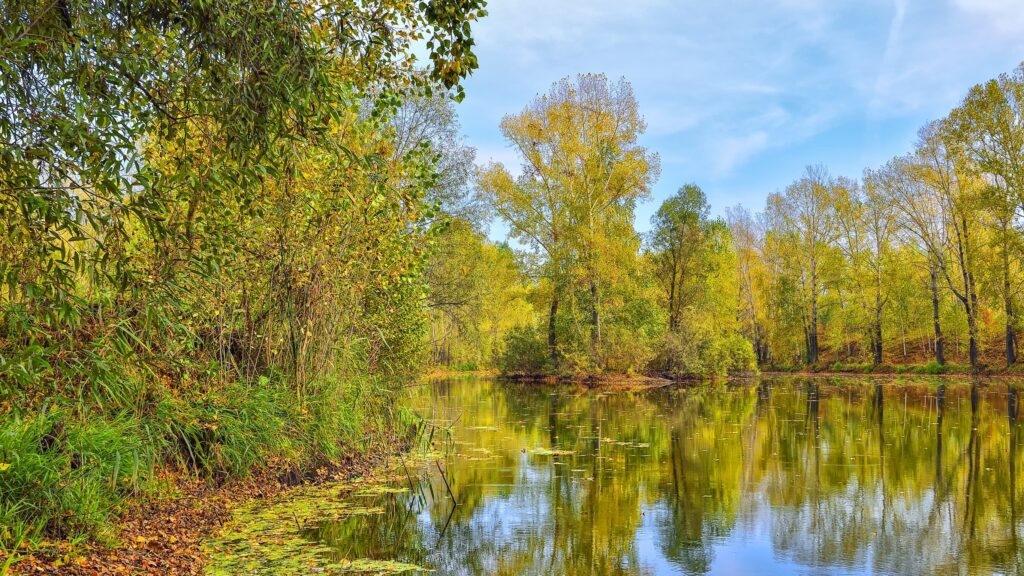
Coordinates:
<point>806,213</point>
<point>867,226</point>
<point>989,125</point>
<point>582,174</point>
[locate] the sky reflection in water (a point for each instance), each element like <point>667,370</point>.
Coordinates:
<point>777,475</point>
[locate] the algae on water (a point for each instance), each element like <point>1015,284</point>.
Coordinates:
<point>274,539</point>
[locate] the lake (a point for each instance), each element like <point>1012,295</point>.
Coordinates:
<point>772,475</point>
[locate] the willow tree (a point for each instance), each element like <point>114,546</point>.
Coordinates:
<point>86,85</point>
<point>137,117</point>
<point>196,211</point>
<point>583,171</point>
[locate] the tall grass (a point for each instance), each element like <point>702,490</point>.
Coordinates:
<point>66,474</point>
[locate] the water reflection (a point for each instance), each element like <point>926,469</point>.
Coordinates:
<point>779,475</point>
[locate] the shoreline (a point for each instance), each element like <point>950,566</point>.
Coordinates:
<point>627,382</point>
<point>164,535</point>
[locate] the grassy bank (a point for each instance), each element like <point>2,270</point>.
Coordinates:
<point>68,474</point>
<point>213,236</point>
<point>923,368</point>
<point>167,534</point>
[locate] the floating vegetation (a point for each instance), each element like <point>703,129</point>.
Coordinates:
<point>378,490</point>
<point>550,452</point>
<point>274,539</point>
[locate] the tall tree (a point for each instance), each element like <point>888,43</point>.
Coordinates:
<point>430,122</point>
<point>867,225</point>
<point>989,125</point>
<point>923,228</point>
<point>748,238</point>
<point>583,172</point>
<point>938,200</point>
<point>806,212</point>
<point>683,238</point>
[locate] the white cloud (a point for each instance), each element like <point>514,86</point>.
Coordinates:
<point>1006,16</point>
<point>731,152</point>
<point>730,89</point>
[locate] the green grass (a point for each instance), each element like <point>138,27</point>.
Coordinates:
<point>66,474</point>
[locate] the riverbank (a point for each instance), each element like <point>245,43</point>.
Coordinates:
<point>510,451</point>
<point>920,369</point>
<point>164,536</point>
<point>640,381</point>
<point>605,382</point>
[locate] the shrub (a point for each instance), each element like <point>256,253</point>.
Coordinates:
<point>525,351</point>
<point>699,352</point>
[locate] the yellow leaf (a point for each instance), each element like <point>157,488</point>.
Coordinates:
<point>4,466</point>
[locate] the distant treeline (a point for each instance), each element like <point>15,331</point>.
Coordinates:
<point>917,261</point>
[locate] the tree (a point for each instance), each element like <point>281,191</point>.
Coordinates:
<point>867,225</point>
<point>938,201</point>
<point>87,85</point>
<point>431,122</point>
<point>748,238</point>
<point>583,172</point>
<point>989,125</point>
<point>695,266</point>
<point>916,218</point>
<point>806,212</point>
<point>201,217</point>
<point>684,239</point>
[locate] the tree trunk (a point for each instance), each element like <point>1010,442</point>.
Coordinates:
<point>940,356</point>
<point>972,322</point>
<point>812,335</point>
<point>1011,336</point>
<point>672,322</point>
<point>878,320</point>
<point>552,339</point>
<point>972,336</point>
<point>878,338</point>
<point>595,320</point>
<point>807,340</point>
<point>970,297</point>
<point>1011,340</point>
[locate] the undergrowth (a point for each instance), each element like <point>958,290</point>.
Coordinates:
<point>68,469</point>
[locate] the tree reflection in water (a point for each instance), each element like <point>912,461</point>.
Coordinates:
<point>772,475</point>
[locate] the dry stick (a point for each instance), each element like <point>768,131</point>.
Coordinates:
<point>446,523</point>
<point>450,493</point>
<point>407,475</point>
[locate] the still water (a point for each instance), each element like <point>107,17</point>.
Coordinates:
<point>776,475</point>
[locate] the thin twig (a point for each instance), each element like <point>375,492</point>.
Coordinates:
<point>446,485</point>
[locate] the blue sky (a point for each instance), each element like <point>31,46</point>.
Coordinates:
<point>741,95</point>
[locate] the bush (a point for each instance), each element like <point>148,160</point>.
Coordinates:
<point>525,351</point>
<point>932,367</point>
<point>693,351</point>
<point>65,475</point>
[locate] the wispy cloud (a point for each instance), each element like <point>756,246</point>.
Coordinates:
<point>1005,16</point>
<point>731,152</point>
<point>740,94</point>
